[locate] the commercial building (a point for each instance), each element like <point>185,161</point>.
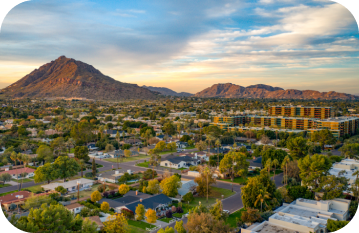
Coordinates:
<point>303,216</point>
<point>301,111</point>
<point>345,168</point>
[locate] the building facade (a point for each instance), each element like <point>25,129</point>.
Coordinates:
<point>301,111</point>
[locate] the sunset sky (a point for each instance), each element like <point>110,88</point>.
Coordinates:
<point>189,45</point>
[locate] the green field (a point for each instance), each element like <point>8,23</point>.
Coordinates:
<point>140,224</point>
<point>216,193</point>
<point>34,189</point>
<point>167,220</point>
<point>23,180</point>
<point>133,229</point>
<point>129,159</point>
<point>144,164</point>
<point>232,219</point>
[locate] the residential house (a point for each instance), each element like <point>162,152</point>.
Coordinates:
<point>187,186</point>
<point>304,216</point>
<point>110,176</point>
<point>180,162</point>
<point>113,133</point>
<point>133,141</point>
<point>33,132</point>
<point>255,163</point>
<point>349,166</point>
<point>16,173</point>
<point>92,146</point>
<point>75,208</point>
<point>97,221</point>
<point>18,198</point>
<point>71,186</point>
<point>181,145</point>
<point>50,132</point>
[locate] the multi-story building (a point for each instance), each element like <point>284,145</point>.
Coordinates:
<point>301,111</point>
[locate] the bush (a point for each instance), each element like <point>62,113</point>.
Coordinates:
<point>128,213</point>
<point>105,194</point>
<point>266,215</point>
<point>100,189</point>
<point>179,210</point>
<point>188,197</point>
<point>88,174</point>
<point>169,214</point>
<point>174,209</point>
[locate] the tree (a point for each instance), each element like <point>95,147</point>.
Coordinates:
<point>123,189</point>
<point>170,186</point>
<point>262,196</point>
<point>5,177</point>
<point>201,145</point>
<point>105,206</point>
<point>234,164</point>
<point>204,180</point>
<point>251,215</point>
<point>179,227</point>
<point>323,137</point>
<point>127,153</point>
<point>204,223</point>
<point>153,186</point>
<point>284,166</point>
<point>217,210</point>
<point>160,146</point>
<point>334,225</point>
<point>312,168</point>
<point>66,167</point>
<point>333,186</point>
<point>52,218</point>
<point>265,139</point>
<point>298,147</point>
<point>44,153</point>
<point>82,152</point>
<point>151,216</point>
<point>88,226</point>
<point>140,212</point>
<point>36,201</point>
<point>350,150</point>
<point>188,197</point>
<point>47,172</point>
<point>109,148</point>
<point>116,223</point>
<point>96,196</point>
<point>61,189</point>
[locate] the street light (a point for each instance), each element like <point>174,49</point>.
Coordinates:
<point>78,190</point>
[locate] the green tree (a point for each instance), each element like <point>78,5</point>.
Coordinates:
<point>234,164</point>
<point>312,168</point>
<point>179,227</point>
<point>82,152</point>
<point>88,226</point>
<point>66,167</point>
<point>350,150</point>
<point>153,186</point>
<point>188,197</point>
<point>262,196</point>
<point>334,225</point>
<point>217,210</point>
<point>204,180</point>
<point>5,177</point>
<point>140,212</point>
<point>36,201</point>
<point>201,145</point>
<point>323,137</point>
<point>160,146</point>
<point>47,172</point>
<point>44,153</point>
<point>298,147</point>
<point>171,185</point>
<point>333,187</point>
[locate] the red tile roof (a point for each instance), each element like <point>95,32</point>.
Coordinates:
<point>12,196</point>
<point>19,171</point>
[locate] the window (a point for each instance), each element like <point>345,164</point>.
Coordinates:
<point>166,164</point>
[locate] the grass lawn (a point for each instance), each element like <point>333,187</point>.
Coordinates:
<point>167,220</point>
<point>3,194</point>
<point>232,219</point>
<point>144,164</point>
<point>88,193</point>
<point>23,180</point>
<point>215,194</point>
<point>34,189</point>
<point>133,229</point>
<point>190,147</point>
<point>140,224</point>
<point>4,185</point>
<point>129,159</point>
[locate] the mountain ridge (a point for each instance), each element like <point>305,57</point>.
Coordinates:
<point>229,90</point>
<point>167,91</point>
<point>67,77</point>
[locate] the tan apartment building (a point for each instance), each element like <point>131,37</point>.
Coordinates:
<point>301,111</point>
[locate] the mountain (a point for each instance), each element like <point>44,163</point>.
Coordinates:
<point>167,91</point>
<point>229,90</point>
<point>66,77</point>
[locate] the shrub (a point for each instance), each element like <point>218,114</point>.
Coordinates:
<point>179,210</point>
<point>85,212</point>
<point>127,213</point>
<point>95,212</point>
<point>188,197</point>
<point>105,194</point>
<point>169,214</point>
<point>100,189</point>
<point>112,192</point>
<point>174,209</point>
<point>88,174</point>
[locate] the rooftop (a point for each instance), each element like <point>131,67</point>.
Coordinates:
<point>73,206</point>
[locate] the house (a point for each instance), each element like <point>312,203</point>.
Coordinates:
<point>50,132</point>
<point>128,198</point>
<point>97,221</point>
<point>187,186</point>
<point>75,208</point>
<point>255,163</point>
<point>112,133</point>
<point>17,198</point>
<point>99,155</point>
<point>181,145</point>
<point>110,176</point>
<point>349,166</point>
<point>162,137</point>
<point>156,202</point>
<point>121,153</point>
<point>16,173</point>
<point>33,132</point>
<point>133,141</point>
<point>180,162</point>
<point>71,186</point>
<point>193,173</point>
<point>304,215</point>
<point>92,146</point>
<point>202,155</point>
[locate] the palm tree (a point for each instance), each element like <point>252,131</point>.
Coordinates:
<point>275,163</point>
<point>25,160</point>
<point>81,163</point>
<point>269,165</point>
<point>209,140</point>
<point>70,144</point>
<point>285,162</point>
<point>263,195</point>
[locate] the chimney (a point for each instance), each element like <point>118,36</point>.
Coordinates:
<point>195,155</point>
<point>141,200</point>
<point>136,192</point>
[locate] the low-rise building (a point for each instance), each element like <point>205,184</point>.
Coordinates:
<point>18,173</point>
<point>75,208</point>
<point>111,176</point>
<point>71,186</point>
<point>180,162</point>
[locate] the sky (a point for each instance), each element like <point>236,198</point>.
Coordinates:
<point>189,45</point>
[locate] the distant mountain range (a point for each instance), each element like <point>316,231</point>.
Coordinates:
<point>68,78</point>
<point>167,91</point>
<point>229,90</point>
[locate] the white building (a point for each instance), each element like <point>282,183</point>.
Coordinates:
<point>71,186</point>
<point>75,208</point>
<point>303,216</point>
<point>348,166</point>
